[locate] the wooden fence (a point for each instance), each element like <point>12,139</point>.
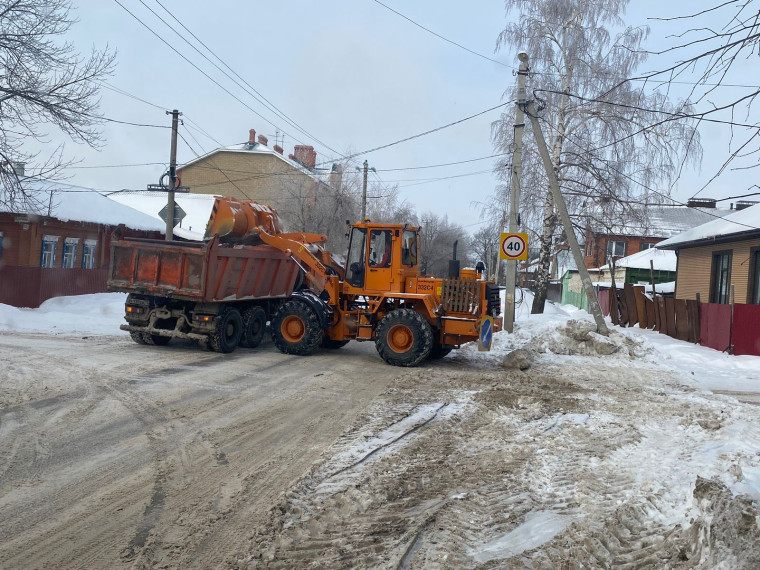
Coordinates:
<point>731,328</point>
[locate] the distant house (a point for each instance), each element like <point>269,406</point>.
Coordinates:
<point>254,171</point>
<point>719,255</point>
<point>636,268</point>
<point>643,228</point>
<point>60,245</point>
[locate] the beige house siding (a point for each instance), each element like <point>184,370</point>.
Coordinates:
<point>264,178</point>
<point>695,269</point>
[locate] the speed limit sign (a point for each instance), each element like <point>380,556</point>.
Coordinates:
<point>514,246</point>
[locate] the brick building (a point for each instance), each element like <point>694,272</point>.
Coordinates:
<point>60,245</point>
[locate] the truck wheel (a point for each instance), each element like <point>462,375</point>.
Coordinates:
<point>296,328</point>
<point>439,351</point>
<point>226,335</point>
<point>155,339</point>
<point>403,338</point>
<point>137,337</point>
<point>254,325</point>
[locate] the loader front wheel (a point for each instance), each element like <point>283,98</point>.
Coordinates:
<point>254,325</point>
<point>403,338</point>
<point>296,328</point>
<point>226,335</point>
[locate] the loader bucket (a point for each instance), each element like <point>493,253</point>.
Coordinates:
<point>233,218</point>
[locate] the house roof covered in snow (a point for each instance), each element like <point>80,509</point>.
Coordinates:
<point>654,221</point>
<point>197,208</point>
<point>662,260</point>
<point>320,175</point>
<point>67,202</point>
<point>742,224</point>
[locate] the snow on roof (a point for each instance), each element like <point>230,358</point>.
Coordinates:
<point>197,208</point>
<point>663,260</point>
<point>745,221</point>
<point>67,202</point>
<point>657,221</point>
<point>258,148</point>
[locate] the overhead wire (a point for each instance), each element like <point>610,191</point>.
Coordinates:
<point>266,102</point>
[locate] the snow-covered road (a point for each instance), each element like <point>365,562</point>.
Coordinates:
<point>117,454</point>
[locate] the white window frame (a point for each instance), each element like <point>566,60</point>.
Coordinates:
<point>47,258</point>
<point>88,253</point>
<point>611,246</point>
<point>69,256</point>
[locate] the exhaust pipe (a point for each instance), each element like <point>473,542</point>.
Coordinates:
<point>454,264</point>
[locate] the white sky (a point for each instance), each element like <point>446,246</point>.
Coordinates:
<point>351,73</point>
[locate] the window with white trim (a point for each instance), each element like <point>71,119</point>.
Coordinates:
<point>69,252</point>
<point>47,255</point>
<point>647,245</point>
<point>615,249</point>
<point>88,253</point>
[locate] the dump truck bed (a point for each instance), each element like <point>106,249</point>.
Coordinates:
<point>201,272</point>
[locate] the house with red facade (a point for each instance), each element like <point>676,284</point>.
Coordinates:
<point>643,228</point>
<point>59,243</point>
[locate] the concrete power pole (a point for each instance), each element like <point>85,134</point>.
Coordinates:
<point>559,203</point>
<point>514,199</point>
<point>172,176</point>
<point>364,189</point>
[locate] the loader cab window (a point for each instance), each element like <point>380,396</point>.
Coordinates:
<point>355,259</point>
<point>380,248</point>
<point>409,248</point>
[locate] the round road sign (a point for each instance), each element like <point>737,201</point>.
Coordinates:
<point>513,246</point>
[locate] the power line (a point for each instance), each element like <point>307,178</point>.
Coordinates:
<point>214,81</point>
<point>428,30</point>
<point>117,165</point>
<point>266,102</point>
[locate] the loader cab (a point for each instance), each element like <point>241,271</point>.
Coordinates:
<point>380,256</point>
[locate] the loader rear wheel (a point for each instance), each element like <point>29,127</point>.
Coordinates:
<point>403,338</point>
<point>439,351</point>
<point>254,325</point>
<point>296,328</point>
<point>226,335</point>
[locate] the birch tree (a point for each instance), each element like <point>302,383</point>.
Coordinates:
<point>605,147</point>
<point>44,83</point>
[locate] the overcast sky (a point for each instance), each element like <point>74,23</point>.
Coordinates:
<point>350,73</point>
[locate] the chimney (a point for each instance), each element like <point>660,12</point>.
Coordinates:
<point>336,176</point>
<point>742,204</point>
<point>252,137</point>
<point>263,140</point>
<point>306,155</point>
<point>278,148</point>
<point>702,203</point>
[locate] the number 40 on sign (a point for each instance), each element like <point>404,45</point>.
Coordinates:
<point>514,246</point>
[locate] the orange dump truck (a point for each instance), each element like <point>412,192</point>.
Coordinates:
<point>248,272</point>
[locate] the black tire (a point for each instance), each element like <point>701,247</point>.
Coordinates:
<point>137,337</point>
<point>226,335</point>
<point>155,339</point>
<point>296,328</point>
<point>403,338</point>
<point>439,351</point>
<point>254,326</point>
<point>333,344</point>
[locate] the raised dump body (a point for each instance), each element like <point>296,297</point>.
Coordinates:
<point>211,292</point>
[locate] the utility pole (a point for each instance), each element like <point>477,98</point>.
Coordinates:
<point>559,203</point>
<point>364,188</point>
<point>172,176</point>
<point>514,198</point>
